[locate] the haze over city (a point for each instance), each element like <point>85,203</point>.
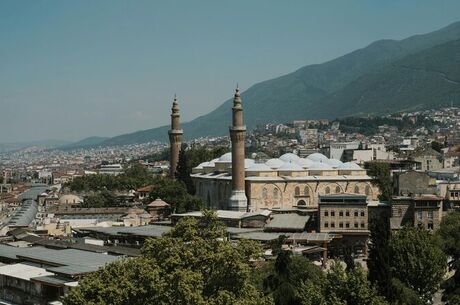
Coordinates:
<point>73,69</point>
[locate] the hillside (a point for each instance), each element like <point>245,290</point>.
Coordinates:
<point>387,75</point>
<point>90,141</point>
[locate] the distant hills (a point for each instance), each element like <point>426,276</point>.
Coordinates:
<point>387,76</point>
<point>87,142</point>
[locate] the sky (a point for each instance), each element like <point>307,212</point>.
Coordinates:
<point>73,69</point>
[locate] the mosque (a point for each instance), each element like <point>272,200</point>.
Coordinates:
<point>233,182</point>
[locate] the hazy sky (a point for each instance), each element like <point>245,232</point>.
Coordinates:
<point>72,69</point>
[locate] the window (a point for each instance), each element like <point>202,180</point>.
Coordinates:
<point>430,226</point>
<point>264,193</point>
<point>340,224</point>
<point>367,190</point>
<point>356,189</point>
<point>430,215</point>
<point>275,193</point>
<point>363,225</point>
<point>363,213</point>
<point>326,213</point>
<point>347,224</point>
<point>332,224</point>
<point>338,190</point>
<point>341,213</point>
<point>347,213</point>
<point>332,213</point>
<point>326,224</point>
<point>356,213</point>
<point>356,225</point>
<point>419,215</point>
<point>328,190</point>
<point>306,191</point>
<point>297,191</point>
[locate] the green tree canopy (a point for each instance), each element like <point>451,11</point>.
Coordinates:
<point>191,264</point>
<point>449,233</point>
<point>417,261</point>
<point>380,172</point>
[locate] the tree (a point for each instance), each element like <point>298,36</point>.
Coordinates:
<point>449,234</point>
<point>288,273</point>
<point>100,200</point>
<point>380,172</point>
<point>175,193</point>
<point>183,172</point>
<point>417,261</point>
<point>339,287</point>
<point>191,264</point>
<point>378,262</point>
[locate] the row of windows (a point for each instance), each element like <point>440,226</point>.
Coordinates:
<point>265,193</point>
<point>347,225</point>
<point>328,190</point>
<point>420,215</point>
<point>346,213</point>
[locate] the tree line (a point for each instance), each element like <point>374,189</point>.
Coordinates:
<point>194,263</point>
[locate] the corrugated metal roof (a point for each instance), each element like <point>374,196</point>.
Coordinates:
<point>287,222</point>
<point>25,215</point>
<point>77,261</point>
<point>260,236</point>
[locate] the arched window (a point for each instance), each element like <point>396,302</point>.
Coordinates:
<point>275,193</point>
<point>301,203</point>
<point>297,191</point>
<point>368,190</point>
<point>306,192</point>
<point>356,189</point>
<point>264,193</point>
<point>327,190</point>
<point>337,189</point>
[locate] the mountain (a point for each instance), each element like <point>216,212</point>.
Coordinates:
<point>388,75</point>
<point>87,142</point>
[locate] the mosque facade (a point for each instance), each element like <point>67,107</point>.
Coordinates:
<point>232,182</point>
<point>282,183</point>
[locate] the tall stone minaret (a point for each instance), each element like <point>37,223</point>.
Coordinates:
<point>238,200</point>
<point>175,138</point>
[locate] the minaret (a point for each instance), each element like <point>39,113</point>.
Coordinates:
<point>238,200</point>
<point>175,138</point>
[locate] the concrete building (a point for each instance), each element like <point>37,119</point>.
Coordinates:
<point>424,211</point>
<point>346,215</point>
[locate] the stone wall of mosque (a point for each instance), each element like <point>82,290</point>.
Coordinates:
<point>282,195</point>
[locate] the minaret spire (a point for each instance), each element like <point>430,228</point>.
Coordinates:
<point>175,137</point>
<point>238,200</point>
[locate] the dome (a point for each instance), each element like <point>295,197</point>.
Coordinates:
<point>212,163</point>
<point>334,162</point>
<point>248,163</point>
<point>274,163</point>
<point>350,165</point>
<point>289,157</point>
<point>320,166</point>
<point>305,163</point>
<point>317,157</point>
<point>259,167</point>
<point>201,165</point>
<point>289,166</point>
<point>66,199</point>
<point>226,157</point>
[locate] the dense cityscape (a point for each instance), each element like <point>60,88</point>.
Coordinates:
<point>335,184</point>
